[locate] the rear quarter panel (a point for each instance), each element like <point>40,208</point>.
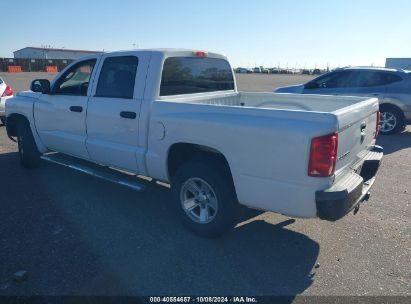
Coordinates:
<point>267,150</point>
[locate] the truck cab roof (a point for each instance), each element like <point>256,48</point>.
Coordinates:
<point>167,52</point>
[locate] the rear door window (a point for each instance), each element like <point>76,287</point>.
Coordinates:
<point>188,75</point>
<point>363,79</point>
<point>117,77</point>
<point>389,78</point>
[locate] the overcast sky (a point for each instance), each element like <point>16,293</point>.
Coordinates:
<point>289,33</point>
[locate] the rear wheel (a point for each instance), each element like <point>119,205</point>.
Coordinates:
<point>205,198</point>
<point>28,153</point>
<point>392,120</point>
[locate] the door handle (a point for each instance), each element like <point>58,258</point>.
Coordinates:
<point>76,109</point>
<point>363,126</point>
<point>129,115</point>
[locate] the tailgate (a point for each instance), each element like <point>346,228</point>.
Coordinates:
<point>356,133</point>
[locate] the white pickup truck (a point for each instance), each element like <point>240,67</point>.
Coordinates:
<point>176,116</point>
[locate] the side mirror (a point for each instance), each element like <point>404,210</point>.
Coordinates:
<point>310,85</point>
<point>41,86</point>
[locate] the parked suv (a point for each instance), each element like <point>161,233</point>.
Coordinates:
<point>392,87</point>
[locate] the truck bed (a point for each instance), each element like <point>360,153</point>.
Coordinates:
<point>342,114</point>
<point>270,136</point>
<point>308,103</point>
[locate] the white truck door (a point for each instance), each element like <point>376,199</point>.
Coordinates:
<point>60,116</point>
<point>113,111</point>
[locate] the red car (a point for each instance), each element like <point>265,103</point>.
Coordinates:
<point>5,93</point>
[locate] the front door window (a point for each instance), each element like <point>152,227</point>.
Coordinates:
<point>75,81</point>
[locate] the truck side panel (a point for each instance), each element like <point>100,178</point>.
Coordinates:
<point>274,175</point>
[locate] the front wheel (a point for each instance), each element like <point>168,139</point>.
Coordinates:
<point>392,120</point>
<point>28,152</point>
<point>205,198</point>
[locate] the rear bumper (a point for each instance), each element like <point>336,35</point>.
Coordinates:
<point>342,197</point>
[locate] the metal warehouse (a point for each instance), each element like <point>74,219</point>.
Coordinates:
<point>398,63</point>
<point>51,53</point>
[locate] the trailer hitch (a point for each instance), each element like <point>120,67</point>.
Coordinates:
<point>365,198</point>
<point>356,209</point>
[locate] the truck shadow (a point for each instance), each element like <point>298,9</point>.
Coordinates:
<point>77,235</point>
<point>397,142</point>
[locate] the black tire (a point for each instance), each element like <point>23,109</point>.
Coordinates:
<point>28,153</point>
<point>216,174</point>
<point>391,111</point>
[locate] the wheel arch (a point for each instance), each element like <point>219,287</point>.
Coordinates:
<point>182,152</point>
<point>391,105</point>
<point>12,122</point>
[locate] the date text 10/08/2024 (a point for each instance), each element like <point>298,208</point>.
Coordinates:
<point>203,300</point>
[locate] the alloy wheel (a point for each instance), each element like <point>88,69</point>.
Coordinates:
<point>388,122</point>
<point>198,200</point>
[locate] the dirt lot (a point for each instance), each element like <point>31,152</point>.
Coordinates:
<point>77,235</point>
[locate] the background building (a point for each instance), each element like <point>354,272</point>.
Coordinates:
<point>51,53</point>
<point>398,63</point>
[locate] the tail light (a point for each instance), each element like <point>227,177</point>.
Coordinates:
<point>378,126</point>
<point>323,155</point>
<point>7,92</point>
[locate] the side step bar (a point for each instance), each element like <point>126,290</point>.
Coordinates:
<point>106,173</point>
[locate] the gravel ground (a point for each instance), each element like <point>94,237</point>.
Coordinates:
<point>77,235</point>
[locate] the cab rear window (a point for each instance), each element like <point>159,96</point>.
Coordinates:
<point>188,75</point>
